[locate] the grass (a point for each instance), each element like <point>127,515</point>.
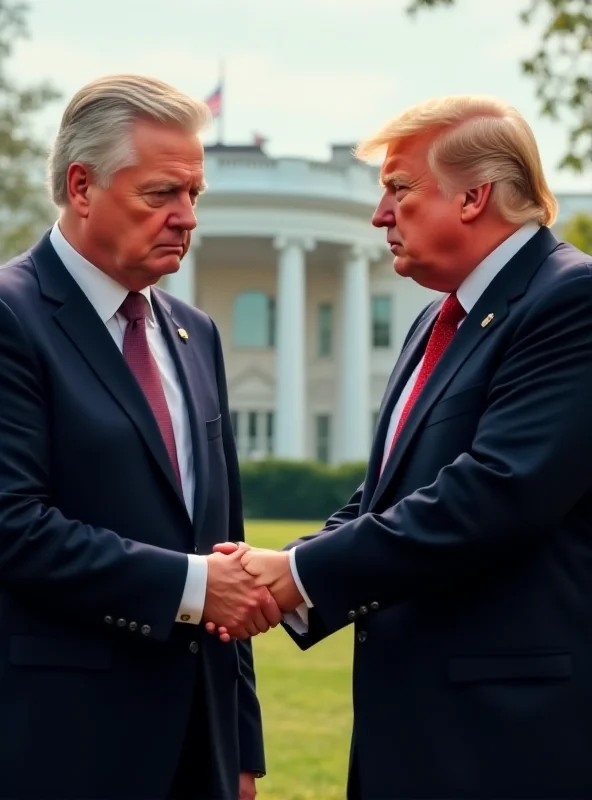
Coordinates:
<point>306,700</point>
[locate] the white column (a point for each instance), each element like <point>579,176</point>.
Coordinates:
<point>290,434</point>
<point>183,283</point>
<point>354,394</point>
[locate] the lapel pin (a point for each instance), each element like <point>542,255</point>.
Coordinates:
<point>487,320</point>
<point>183,335</point>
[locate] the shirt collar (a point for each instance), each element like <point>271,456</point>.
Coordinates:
<point>103,293</point>
<point>477,282</point>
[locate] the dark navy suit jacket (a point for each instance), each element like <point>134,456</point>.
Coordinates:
<point>96,678</point>
<point>467,566</point>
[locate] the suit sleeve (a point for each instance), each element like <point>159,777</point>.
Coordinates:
<point>528,467</point>
<point>316,629</point>
<point>250,727</point>
<point>86,572</point>
<point>351,510</point>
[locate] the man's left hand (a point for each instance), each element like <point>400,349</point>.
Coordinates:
<point>272,569</point>
<point>247,788</point>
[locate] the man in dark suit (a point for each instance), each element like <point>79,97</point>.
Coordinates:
<point>464,560</point>
<point>117,460</point>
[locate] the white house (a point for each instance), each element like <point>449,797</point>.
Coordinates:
<point>302,288</point>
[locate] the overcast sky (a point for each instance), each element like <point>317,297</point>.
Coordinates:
<point>303,73</point>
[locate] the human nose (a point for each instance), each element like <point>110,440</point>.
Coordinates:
<point>184,216</point>
<point>384,216</point>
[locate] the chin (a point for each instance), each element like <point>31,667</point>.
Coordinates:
<point>420,275</point>
<point>403,267</point>
<point>167,265</point>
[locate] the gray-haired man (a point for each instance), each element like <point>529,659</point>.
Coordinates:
<point>116,461</point>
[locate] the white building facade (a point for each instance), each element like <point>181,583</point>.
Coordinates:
<point>311,313</point>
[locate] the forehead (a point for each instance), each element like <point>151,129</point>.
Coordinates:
<point>407,157</point>
<point>169,150</point>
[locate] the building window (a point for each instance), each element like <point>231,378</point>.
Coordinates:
<point>325,329</point>
<point>269,420</point>
<point>252,433</point>
<point>381,321</point>
<point>253,322</point>
<point>323,425</point>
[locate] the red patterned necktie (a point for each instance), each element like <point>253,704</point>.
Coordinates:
<point>141,362</point>
<point>444,329</point>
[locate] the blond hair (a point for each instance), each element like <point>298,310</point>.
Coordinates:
<point>477,140</point>
<point>96,128</point>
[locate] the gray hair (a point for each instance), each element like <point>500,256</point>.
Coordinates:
<point>96,128</point>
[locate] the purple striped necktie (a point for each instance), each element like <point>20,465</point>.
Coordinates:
<point>141,362</point>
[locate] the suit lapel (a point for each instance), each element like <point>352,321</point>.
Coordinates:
<point>406,363</point>
<point>486,316</point>
<point>80,322</point>
<point>187,362</point>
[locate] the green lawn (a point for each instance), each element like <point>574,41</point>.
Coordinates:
<point>306,700</point>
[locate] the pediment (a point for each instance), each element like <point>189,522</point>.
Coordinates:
<point>252,384</point>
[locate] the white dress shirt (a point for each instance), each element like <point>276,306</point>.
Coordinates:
<point>468,294</point>
<point>106,296</point>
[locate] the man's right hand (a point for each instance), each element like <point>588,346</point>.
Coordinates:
<point>234,602</point>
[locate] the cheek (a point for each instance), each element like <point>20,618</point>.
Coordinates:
<point>149,225</point>
<point>409,216</point>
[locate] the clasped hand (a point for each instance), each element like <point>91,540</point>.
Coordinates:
<point>248,590</point>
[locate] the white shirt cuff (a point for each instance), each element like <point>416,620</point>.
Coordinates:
<point>297,580</point>
<point>194,594</point>
<point>298,619</point>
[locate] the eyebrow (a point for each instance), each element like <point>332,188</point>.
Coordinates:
<point>393,177</point>
<point>168,184</point>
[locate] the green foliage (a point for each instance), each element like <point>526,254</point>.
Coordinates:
<point>561,68</point>
<point>24,208</point>
<point>578,231</point>
<point>296,489</point>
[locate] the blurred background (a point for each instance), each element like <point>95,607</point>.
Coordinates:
<point>284,258</point>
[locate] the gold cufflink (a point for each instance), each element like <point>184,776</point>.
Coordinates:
<point>183,335</point>
<point>487,320</point>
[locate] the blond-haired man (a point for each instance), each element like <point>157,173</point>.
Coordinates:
<point>117,461</point>
<point>464,561</point>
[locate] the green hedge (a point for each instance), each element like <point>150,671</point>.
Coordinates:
<point>275,489</point>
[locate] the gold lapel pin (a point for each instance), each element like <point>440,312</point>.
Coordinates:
<point>487,320</point>
<point>183,335</point>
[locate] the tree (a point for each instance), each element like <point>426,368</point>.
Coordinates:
<point>24,207</point>
<point>561,68</point>
<point>578,231</point>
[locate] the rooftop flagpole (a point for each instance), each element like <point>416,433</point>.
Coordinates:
<point>221,114</point>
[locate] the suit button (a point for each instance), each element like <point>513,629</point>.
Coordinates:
<point>351,615</point>
<point>146,630</point>
<point>133,626</point>
<point>362,636</point>
<point>194,647</point>
<point>363,610</point>
<point>374,606</point>
<point>196,549</point>
<point>121,623</point>
<point>109,620</point>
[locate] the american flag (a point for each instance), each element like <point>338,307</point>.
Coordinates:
<point>214,102</point>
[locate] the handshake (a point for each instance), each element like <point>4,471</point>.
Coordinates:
<point>248,590</point>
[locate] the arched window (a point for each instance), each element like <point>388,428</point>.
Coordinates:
<point>253,322</point>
